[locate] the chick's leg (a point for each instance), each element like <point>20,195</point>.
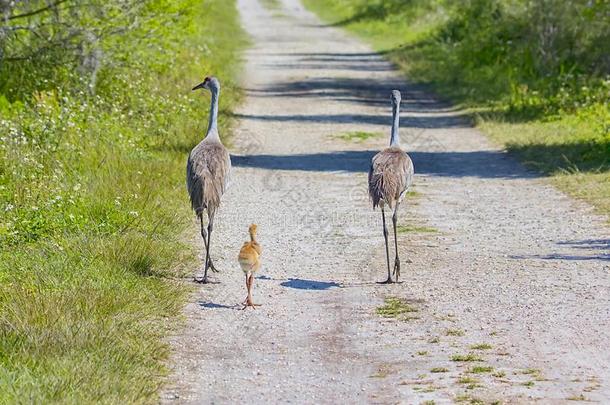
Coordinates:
<point>249,302</point>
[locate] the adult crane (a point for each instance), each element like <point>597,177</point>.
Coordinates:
<point>390,176</point>
<point>207,173</point>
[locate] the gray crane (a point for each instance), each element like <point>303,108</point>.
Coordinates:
<point>390,176</point>
<point>207,173</point>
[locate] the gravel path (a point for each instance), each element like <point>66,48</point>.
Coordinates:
<point>498,257</point>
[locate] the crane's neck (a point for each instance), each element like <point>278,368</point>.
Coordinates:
<point>252,236</point>
<point>395,136</point>
<point>213,121</point>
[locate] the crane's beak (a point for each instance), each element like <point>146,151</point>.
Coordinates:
<point>199,86</point>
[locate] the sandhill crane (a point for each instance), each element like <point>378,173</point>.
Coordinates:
<point>207,173</point>
<point>249,260</point>
<point>390,177</point>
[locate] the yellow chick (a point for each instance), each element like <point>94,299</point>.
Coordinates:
<point>249,260</point>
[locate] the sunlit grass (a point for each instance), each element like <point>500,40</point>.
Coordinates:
<point>395,307</point>
<point>358,136</point>
<point>454,332</point>
<point>570,143</point>
<point>481,369</point>
<point>410,228</point>
<point>466,357</point>
<point>566,149</point>
<point>94,214</point>
<point>481,346</point>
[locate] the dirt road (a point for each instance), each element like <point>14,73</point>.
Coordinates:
<point>499,259</point>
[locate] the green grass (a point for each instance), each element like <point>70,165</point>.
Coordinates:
<point>554,118</point>
<point>534,373</point>
<point>467,380</point>
<point>566,149</point>
<point>415,229</point>
<point>466,357</point>
<point>358,136</point>
<point>425,390</point>
<point>481,346</point>
<point>395,307</point>
<point>94,212</point>
<point>481,369</point>
<point>454,332</point>
<point>439,370</point>
<point>465,398</point>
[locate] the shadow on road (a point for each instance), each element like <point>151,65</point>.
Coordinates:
<point>213,305</point>
<point>561,256</point>
<point>592,245</point>
<point>436,121</point>
<point>302,284</point>
<point>415,98</point>
<point>482,164</point>
<point>602,244</point>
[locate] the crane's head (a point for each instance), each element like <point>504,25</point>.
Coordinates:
<point>210,83</point>
<point>396,97</point>
<point>252,229</point>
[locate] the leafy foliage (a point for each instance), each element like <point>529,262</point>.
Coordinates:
<point>46,43</point>
<point>92,200</point>
<point>534,73</point>
<point>548,54</point>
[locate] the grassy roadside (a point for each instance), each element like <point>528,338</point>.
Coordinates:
<point>556,122</point>
<point>93,209</point>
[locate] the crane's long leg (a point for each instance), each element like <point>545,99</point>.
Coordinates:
<point>397,260</point>
<point>387,249</point>
<point>206,240</point>
<point>204,235</point>
<point>208,260</point>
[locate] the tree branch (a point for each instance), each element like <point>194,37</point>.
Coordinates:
<point>40,10</point>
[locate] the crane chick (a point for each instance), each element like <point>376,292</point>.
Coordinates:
<point>249,260</point>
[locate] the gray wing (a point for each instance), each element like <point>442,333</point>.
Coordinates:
<point>207,175</point>
<point>375,188</point>
<point>194,185</point>
<point>390,176</point>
